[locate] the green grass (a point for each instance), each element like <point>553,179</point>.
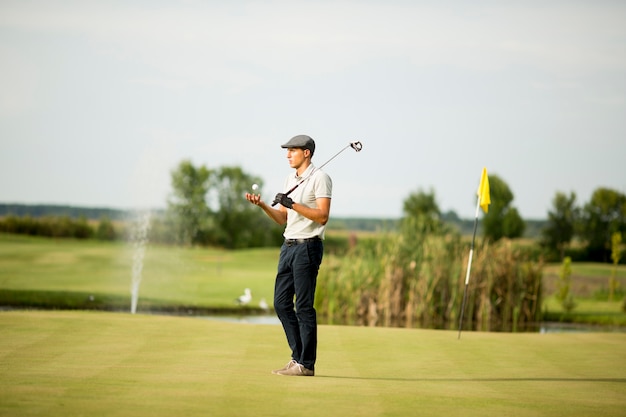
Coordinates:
<point>586,277</point>
<point>199,277</point>
<point>589,283</point>
<point>110,364</point>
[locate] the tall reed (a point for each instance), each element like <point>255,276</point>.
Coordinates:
<point>416,279</point>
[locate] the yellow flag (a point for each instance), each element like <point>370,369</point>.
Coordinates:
<point>483,191</point>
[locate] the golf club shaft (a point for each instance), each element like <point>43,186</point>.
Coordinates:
<point>357,146</point>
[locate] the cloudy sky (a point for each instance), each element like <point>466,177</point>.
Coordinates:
<point>99,101</point>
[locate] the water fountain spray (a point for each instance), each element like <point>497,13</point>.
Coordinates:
<point>139,239</point>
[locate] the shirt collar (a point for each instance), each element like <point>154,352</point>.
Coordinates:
<point>306,172</point>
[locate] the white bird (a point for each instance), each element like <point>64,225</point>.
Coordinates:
<point>263,305</point>
<point>245,298</point>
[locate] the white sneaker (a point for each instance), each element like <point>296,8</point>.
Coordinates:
<point>296,370</point>
<point>289,365</point>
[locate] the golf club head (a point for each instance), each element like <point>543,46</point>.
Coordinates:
<point>357,146</point>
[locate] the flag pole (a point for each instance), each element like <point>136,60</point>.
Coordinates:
<point>469,266</point>
<point>483,202</point>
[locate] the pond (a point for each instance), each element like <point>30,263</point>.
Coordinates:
<point>252,319</point>
<point>579,328</point>
<point>544,328</point>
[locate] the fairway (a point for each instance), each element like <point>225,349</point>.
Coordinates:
<point>171,276</point>
<point>116,364</point>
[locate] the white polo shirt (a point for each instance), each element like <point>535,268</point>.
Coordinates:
<point>319,185</point>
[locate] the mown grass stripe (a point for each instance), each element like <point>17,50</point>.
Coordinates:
<point>111,364</point>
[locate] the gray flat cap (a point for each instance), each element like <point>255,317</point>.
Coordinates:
<point>301,141</point>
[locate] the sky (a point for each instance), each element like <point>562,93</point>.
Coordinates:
<point>101,100</point>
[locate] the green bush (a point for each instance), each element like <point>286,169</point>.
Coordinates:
<point>57,227</point>
<point>105,230</point>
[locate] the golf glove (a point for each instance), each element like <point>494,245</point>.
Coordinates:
<point>284,200</point>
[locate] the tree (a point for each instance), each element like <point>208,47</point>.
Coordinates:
<point>105,230</point>
<point>564,294</point>
<point>187,206</point>
<point>616,254</point>
<point>422,208</point>
<point>561,225</point>
<point>451,216</point>
<point>502,220</point>
<point>209,207</point>
<point>239,224</point>
<point>602,216</point>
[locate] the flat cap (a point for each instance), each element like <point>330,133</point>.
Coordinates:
<point>301,141</point>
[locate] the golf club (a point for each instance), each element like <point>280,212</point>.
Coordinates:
<point>357,146</point>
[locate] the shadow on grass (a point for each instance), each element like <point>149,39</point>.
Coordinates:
<point>447,380</point>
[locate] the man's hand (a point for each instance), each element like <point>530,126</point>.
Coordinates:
<point>254,198</point>
<point>284,200</point>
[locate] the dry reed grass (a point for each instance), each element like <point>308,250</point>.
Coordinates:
<point>416,279</point>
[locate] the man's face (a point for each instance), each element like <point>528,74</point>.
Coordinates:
<point>296,156</point>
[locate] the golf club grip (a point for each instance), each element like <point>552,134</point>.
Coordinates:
<point>289,192</point>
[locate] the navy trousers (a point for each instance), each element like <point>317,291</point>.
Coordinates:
<point>298,266</point>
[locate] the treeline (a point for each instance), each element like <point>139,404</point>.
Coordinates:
<point>51,210</point>
<point>361,224</point>
<point>59,227</point>
<point>207,208</point>
<point>73,222</point>
<point>160,228</point>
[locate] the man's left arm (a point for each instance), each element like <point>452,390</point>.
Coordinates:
<point>319,214</point>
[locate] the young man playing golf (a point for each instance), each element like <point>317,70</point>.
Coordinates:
<point>305,212</point>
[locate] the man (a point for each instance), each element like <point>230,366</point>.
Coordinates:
<point>305,212</point>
